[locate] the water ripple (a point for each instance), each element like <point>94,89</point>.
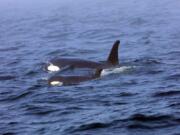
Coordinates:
<point>153,121</point>
<point>7,77</point>
<point>167,93</point>
<point>174,77</point>
<point>40,110</point>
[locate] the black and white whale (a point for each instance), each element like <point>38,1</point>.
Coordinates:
<point>72,80</point>
<point>111,65</point>
<point>60,64</point>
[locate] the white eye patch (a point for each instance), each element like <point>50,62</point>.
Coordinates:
<point>53,68</point>
<point>53,83</point>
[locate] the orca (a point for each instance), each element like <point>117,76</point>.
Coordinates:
<point>72,80</point>
<point>66,63</point>
<point>61,64</point>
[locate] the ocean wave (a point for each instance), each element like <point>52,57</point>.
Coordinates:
<point>166,93</point>
<point>7,77</point>
<point>152,121</point>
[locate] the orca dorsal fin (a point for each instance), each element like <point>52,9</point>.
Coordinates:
<point>113,56</point>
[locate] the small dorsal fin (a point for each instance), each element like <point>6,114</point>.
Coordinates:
<point>98,73</point>
<point>113,56</point>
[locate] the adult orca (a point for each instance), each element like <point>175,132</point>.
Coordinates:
<point>72,80</point>
<point>66,63</point>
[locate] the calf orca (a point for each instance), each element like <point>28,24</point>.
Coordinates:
<point>72,80</point>
<point>66,63</point>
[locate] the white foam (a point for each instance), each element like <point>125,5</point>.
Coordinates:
<point>53,83</point>
<point>115,70</point>
<point>53,68</point>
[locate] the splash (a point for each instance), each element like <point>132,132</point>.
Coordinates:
<point>116,70</point>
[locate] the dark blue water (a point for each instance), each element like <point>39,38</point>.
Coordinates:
<point>144,100</point>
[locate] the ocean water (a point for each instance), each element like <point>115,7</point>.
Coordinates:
<point>142,100</point>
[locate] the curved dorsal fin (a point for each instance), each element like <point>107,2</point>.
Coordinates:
<point>113,56</point>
